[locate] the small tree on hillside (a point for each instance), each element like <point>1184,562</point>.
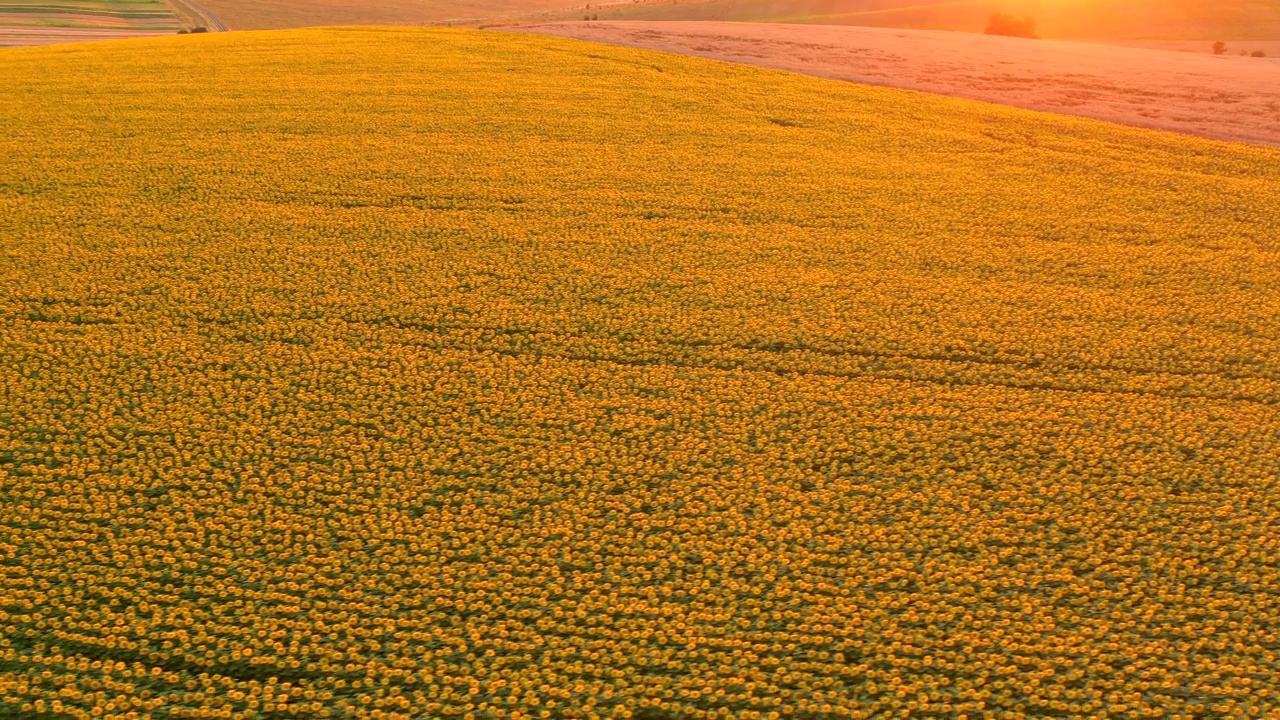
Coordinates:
<point>1219,48</point>
<point>1005,24</point>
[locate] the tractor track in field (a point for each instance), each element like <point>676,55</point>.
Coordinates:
<point>199,13</point>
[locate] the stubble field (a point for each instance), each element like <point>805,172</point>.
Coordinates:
<point>463,374</point>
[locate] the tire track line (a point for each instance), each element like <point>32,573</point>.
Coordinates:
<point>195,10</point>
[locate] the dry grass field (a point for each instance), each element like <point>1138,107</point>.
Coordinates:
<point>413,373</point>
<point>1229,98</point>
<point>45,22</point>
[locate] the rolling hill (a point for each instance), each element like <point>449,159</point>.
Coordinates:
<point>1059,19</point>
<point>1225,98</point>
<point>376,372</point>
<point>1073,19</point>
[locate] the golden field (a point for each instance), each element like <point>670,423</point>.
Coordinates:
<point>405,373</point>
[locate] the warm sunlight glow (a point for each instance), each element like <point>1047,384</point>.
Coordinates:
<point>639,359</point>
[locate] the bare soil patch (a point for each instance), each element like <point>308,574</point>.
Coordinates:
<point>1226,98</point>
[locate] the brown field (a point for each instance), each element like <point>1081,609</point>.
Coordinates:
<point>49,22</point>
<point>1226,98</point>
<point>1091,19</point>
<point>20,36</point>
<point>82,21</point>
<point>1074,19</point>
<point>267,14</point>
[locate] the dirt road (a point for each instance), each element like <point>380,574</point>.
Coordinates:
<point>1226,98</point>
<point>199,15</point>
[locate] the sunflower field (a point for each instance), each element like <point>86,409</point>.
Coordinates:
<point>404,373</point>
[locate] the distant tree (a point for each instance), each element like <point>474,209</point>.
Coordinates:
<point>594,16</point>
<point>1219,48</point>
<point>586,17</point>
<point>1005,24</point>
<point>1259,53</point>
<point>183,31</point>
<point>199,29</point>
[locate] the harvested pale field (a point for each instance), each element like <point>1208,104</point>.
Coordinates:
<point>16,36</point>
<point>1076,20</point>
<point>1226,98</point>
<point>1204,47</point>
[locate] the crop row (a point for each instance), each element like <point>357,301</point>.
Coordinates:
<point>451,374</point>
